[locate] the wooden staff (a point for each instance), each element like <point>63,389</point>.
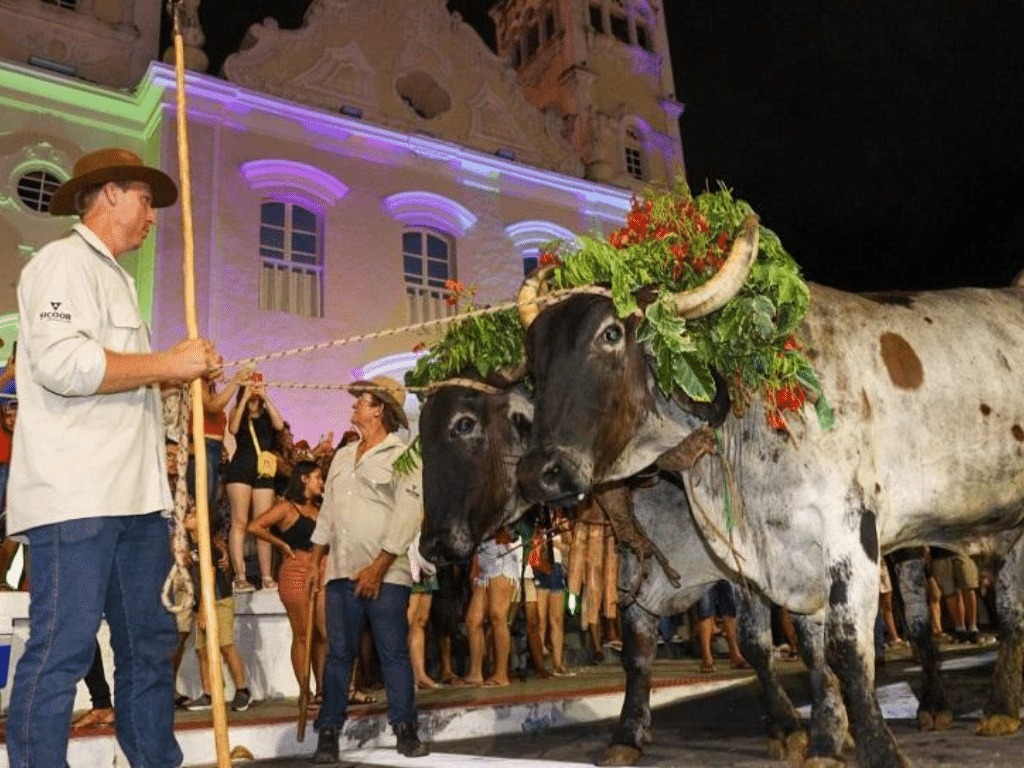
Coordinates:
<point>307,653</point>
<point>206,575</point>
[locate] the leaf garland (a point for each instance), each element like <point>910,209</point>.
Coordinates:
<point>672,241</point>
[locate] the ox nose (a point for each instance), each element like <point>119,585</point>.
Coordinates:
<point>545,478</point>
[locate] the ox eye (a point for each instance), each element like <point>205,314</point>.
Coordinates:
<point>612,334</point>
<point>463,426</point>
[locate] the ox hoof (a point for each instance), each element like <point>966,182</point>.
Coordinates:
<point>618,754</point>
<point>934,721</point>
<point>646,738</point>
<point>998,725</point>
<point>796,746</point>
<point>820,761</point>
<point>792,748</point>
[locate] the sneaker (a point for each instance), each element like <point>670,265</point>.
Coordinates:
<point>241,701</point>
<point>199,703</point>
<point>326,746</point>
<point>241,585</point>
<point>409,744</point>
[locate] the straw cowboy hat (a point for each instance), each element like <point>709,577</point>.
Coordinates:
<point>112,164</point>
<point>390,392</point>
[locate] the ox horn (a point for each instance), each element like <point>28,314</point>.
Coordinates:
<point>717,291</point>
<point>531,290</point>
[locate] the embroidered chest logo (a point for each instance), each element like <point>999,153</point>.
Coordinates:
<point>55,313</point>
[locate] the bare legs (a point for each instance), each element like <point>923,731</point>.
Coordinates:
<point>243,497</point>
<point>418,613</point>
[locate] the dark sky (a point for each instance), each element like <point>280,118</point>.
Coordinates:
<point>883,141</point>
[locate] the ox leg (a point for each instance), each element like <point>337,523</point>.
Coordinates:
<point>852,581</point>
<point>787,738</point>
<point>829,726</point>
<point>935,712</point>
<point>639,647</point>
<point>1002,711</point>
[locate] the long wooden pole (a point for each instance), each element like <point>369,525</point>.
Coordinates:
<point>206,575</point>
<point>307,653</point>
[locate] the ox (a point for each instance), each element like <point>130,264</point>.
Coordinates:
<point>927,448</point>
<point>472,440</point>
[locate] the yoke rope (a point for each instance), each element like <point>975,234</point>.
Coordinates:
<point>550,298</point>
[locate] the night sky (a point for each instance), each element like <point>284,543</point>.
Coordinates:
<point>883,142</point>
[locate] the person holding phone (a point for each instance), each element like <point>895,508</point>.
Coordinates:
<point>254,421</point>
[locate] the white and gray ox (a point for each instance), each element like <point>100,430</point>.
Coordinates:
<point>927,447</point>
<point>472,438</point>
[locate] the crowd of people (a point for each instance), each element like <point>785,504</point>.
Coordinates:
<point>334,528</point>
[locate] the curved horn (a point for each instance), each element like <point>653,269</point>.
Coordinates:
<point>529,293</point>
<point>717,291</point>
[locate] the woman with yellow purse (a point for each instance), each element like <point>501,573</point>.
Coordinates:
<point>254,422</point>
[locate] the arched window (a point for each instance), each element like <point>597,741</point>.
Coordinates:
<point>35,188</point>
<point>428,262</point>
<point>532,42</point>
<point>634,154</point>
<point>291,259</point>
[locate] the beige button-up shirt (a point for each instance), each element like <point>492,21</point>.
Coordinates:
<point>368,508</point>
<point>78,454</point>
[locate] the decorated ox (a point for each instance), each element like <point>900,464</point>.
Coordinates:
<point>927,447</point>
<point>472,438</point>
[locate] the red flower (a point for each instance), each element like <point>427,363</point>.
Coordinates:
<point>791,343</point>
<point>661,233</point>
<point>615,239</point>
<point>776,421</point>
<point>548,259</point>
<point>637,221</point>
<point>452,299</point>
<point>723,240</point>
<point>680,251</point>
<point>419,347</point>
<point>455,286</point>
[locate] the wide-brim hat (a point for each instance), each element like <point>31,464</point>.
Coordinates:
<point>112,164</point>
<point>390,392</point>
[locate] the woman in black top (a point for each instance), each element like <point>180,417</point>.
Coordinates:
<point>254,415</point>
<point>288,525</point>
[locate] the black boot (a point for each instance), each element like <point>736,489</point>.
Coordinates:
<point>326,746</point>
<point>409,743</point>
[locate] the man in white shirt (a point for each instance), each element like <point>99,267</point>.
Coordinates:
<point>369,517</point>
<point>88,484</point>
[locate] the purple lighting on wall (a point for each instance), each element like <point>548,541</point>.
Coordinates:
<point>427,209</point>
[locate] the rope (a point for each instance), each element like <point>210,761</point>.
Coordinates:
<point>428,390</point>
<point>551,298</point>
<point>178,584</point>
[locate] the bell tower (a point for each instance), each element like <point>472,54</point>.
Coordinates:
<point>603,67</point>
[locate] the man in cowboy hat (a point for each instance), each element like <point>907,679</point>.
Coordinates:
<point>88,487</point>
<point>368,519</point>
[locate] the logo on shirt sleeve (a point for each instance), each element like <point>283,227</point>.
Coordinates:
<point>56,313</point>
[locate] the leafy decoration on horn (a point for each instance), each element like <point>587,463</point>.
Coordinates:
<point>672,242</point>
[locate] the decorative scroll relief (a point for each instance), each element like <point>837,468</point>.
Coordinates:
<point>341,75</point>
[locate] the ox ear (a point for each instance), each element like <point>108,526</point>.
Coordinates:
<point>715,412</point>
<point>506,377</point>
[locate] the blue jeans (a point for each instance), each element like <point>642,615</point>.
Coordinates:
<point>214,448</point>
<point>81,570</point>
<point>346,615</point>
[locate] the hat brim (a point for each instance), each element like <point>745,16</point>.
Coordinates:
<point>360,387</point>
<point>165,191</point>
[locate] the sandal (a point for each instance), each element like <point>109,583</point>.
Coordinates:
<point>358,697</point>
<point>94,718</point>
<point>269,583</point>
<point>241,585</point>
<point>707,668</point>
